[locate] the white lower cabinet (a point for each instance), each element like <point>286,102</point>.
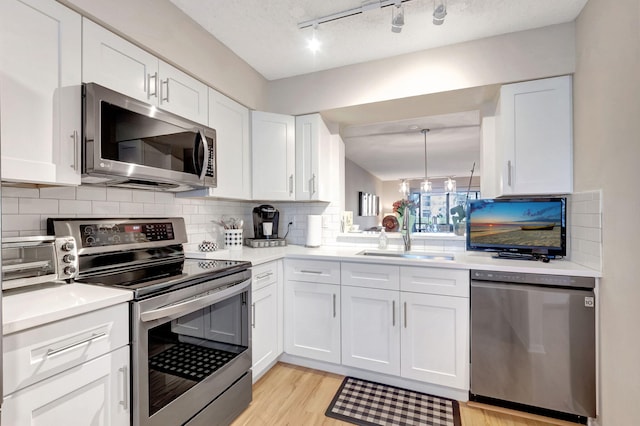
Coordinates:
<point>371,329</point>
<point>71,371</point>
<point>266,317</point>
<point>93,393</point>
<point>403,321</point>
<point>312,315</point>
<point>264,323</point>
<point>435,336</point>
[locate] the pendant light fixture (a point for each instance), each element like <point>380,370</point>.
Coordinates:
<point>426,184</point>
<point>404,187</point>
<point>450,185</point>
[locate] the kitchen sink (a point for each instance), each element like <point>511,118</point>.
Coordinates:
<point>408,255</point>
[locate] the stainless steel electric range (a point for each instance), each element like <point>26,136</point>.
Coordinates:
<point>190,325</point>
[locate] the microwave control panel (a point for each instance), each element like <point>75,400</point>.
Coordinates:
<point>94,235</point>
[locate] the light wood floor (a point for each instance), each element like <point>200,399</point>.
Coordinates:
<point>292,395</point>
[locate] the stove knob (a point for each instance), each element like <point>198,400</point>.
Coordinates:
<point>68,246</point>
<point>68,258</point>
<point>69,270</point>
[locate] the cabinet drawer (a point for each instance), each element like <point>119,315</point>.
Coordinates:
<point>35,354</point>
<point>264,274</point>
<point>450,282</point>
<point>314,271</point>
<point>385,277</point>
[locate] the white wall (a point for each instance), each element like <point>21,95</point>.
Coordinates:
<point>525,55</point>
<point>606,155</point>
<point>165,31</point>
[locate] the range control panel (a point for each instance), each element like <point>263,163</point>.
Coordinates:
<point>105,234</point>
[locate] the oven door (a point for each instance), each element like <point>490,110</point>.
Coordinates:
<point>189,348</point>
<point>130,143</point>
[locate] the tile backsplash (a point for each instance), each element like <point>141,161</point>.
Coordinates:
<point>25,211</point>
<point>585,229</point>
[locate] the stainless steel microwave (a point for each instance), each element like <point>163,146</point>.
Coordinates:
<point>128,143</point>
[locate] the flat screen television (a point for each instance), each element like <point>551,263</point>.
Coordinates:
<point>535,226</point>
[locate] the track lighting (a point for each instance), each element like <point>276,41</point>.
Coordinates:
<point>439,11</point>
<point>313,44</point>
<point>397,17</point>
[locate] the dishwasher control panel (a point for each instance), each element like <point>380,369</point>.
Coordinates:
<point>533,279</point>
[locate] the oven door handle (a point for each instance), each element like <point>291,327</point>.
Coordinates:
<point>193,304</point>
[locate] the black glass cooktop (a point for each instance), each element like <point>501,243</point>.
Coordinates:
<point>151,280</point>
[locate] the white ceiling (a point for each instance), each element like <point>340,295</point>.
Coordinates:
<point>395,150</point>
<point>265,34</point>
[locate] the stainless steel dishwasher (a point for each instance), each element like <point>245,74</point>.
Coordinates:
<point>533,343</point>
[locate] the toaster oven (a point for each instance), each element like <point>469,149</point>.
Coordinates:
<point>35,260</point>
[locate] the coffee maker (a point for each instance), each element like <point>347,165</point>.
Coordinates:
<point>265,222</point>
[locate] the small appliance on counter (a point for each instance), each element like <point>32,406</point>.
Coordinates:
<point>265,228</point>
<point>29,261</point>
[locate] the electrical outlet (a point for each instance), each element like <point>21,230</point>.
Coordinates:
<point>291,220</point>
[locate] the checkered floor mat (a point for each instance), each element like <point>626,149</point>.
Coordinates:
<point>366,403</point>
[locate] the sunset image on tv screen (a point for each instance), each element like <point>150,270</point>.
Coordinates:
<point>531,224</point>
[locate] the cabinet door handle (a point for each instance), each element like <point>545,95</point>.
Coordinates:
<point>334,305</point>
<point>94,336</point>
<point>164,90</point>
<point>304,271</point>
<point>264,275</point>
<point>393,313</point>
<point>509,172</point>
<point>405,314</point>
<point>313,184</point>
<point>153,76</point>
<point>291,185</point>
<point>74,139</point>
<point>253,315</point>
<point>125,387</point>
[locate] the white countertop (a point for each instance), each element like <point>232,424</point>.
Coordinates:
<point>37,305</point>
<point>463,260</point>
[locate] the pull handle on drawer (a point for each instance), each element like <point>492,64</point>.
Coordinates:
<point>264,275</point>
<point>95,336</point>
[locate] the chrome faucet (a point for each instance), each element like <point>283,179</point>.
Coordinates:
<point>406,235</point>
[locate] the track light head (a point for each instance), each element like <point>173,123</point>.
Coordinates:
<point>439,12</point>
<point>397,17</point>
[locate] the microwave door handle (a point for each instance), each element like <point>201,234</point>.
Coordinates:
<point>205,161</point>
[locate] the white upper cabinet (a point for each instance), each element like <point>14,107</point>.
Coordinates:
<point>535,134</point>
<point>40,106</point>
<point>231,123</point>
<point>314,177</point>
<point>273,156</point>
<point>113,62</point>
